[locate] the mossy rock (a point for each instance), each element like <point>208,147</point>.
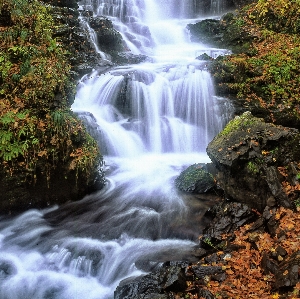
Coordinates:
<point>46,155</point>
<point>195,179</point>
<point>248,154</point>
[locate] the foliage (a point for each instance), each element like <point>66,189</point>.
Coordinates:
<point>270,78</point>
<point>243,271</point>
<point>37,127</point>
<point>253,167</point>
<point>244,276</point>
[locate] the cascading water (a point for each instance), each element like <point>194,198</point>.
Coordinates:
<point>152,120</point>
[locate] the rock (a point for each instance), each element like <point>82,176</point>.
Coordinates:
<point>225,217</point>
<point>288,273</point>
<point>76,40</point>
<point>129,58</point>
<point>241,3</point>
<point>154,285</point>
<point>224,33</point>
<point>247,154</point>
<point>5,17</point>
<point>205,294</point>
<point>62,3</point>
<point>108,38</point>
<point>195,179</point>
<point>202,271</point>
<point>208,7</point>
<point>64,185</point>
<point>204,57</point>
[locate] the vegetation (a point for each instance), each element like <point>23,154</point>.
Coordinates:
<point>244,275</point>
<point>195,179</point>
<point>37,128</point>
<point>267,74</point>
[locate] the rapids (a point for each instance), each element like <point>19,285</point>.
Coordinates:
<point>153,120</point>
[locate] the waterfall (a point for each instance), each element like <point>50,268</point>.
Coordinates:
<point>151,120</point>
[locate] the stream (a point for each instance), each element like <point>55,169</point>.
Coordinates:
<point>153,120</point>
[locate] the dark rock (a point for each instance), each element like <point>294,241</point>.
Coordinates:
<point>226,218</point>
<point>241,3</point>
<point>154,285</point>
<point>247,154</point>
<point>76,40</point>
<point>288,273</point>
<point>202,271</point>
<point>128,58</point>
<point>204,56</point>
<point>62,3</point>
<point>208,7</point>
<point>109,39</point>
<point>224,33</point>
<point>205,294</point>
<point>195,179</point>
<point>64,185</point>
<point>5,17</point>
<point>269,265</point>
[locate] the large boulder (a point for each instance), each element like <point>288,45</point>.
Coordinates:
<point>249,155</point>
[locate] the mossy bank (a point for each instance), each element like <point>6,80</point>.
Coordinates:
<point>262,74</point>
<point>46,155</point>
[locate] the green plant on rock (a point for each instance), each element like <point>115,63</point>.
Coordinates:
<point>37,128</point>
<point>252,167</point>
<point>239,122</point>
<point>269,75</point>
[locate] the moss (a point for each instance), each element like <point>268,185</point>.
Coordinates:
<point>239,122</point>
<point>195,179</point>
<point>252,167</point>
<point>38,131</point>
<point>263,72</point>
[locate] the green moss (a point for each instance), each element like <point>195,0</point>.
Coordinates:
<point>37,128</point>
<point>252,167</point>
<point>264,69</point>
<point>239,122</point>
<point>195,179</point>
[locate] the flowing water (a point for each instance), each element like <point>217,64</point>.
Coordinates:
<point>155,119</point>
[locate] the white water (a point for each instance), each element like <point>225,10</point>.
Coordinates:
<point>162,124</point>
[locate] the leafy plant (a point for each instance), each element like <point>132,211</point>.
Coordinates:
<point>37,127</point>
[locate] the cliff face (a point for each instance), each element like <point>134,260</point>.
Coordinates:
<point>46,155</point>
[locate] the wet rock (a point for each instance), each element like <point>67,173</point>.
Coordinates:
<point>76,40</point>
<point>154,285</point>
<point>109,39</point>
<point>247,154</point>
<point>208,7</point>
<point>195,179</point>
<point>226,217</point>
<point>224,33</point>
<point>241,3</point>
<point>204,57</point>
<point>269,265</point>
<point>129,58</point>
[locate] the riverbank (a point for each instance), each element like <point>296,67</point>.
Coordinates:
<point>46,155</point>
